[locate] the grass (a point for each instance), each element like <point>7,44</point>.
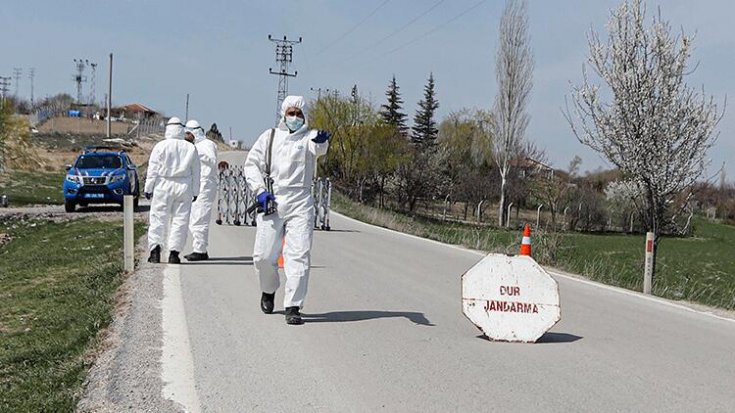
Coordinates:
<point>57,286</point>
<point>32,187</point>
<point>699,268</point>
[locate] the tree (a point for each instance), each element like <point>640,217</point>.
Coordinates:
<point>656,129</point>
<point>424,128</point>
<point>513,71</point>
<point>391,112</point>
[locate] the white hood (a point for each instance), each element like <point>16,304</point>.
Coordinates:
<point>174,129</point>
<point>195,129</point>
<point>294,102</point>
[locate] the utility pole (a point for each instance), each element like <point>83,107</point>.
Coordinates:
<point>4,84</point>
<point>319,92</point>
<point>186,116</point>
<point>31,76</point>
<point>109,99</point>
<point>79,77</point>
<point>17,73</point>
<point>284,57</point>
<point>93,85</point>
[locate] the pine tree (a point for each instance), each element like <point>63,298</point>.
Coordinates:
<point>424,129</point>
<point>391,113</point>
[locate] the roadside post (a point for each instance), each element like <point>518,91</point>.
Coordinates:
<point>648,269</point>
<point>510,298</point>
<point>128,244</point>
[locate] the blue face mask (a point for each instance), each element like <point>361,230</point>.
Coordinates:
<point>294,123</point>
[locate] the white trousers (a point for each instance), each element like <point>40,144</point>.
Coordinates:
<point>294,223</point>
<point>201,211</point>
<point>170,209</point>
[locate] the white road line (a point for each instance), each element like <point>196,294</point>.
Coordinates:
<point>177,364</point>
<point>556,273</point>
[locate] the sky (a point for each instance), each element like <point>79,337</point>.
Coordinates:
<point>219,53</point>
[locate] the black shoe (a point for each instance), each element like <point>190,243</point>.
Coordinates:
<point>266,302</point>
<point>155,256</point>
<point>173,257</point>
<point>197,256</point>
<point>293,316</point>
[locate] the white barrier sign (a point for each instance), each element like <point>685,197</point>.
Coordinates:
<point>510,298</point>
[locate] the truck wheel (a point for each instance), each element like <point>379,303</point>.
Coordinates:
<point>69,206</point>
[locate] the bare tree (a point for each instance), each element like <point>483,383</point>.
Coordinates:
<point>656,128</point>
<point>513,71</point>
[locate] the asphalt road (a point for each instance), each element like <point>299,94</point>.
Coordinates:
<point>384,331</point>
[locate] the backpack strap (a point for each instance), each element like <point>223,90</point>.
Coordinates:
<point>268,153</point>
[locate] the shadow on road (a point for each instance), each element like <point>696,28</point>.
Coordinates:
<point>110,208</point>
<point>342,230</point>
<point>343,316</point>
<point>546,338</point>
<point>242,260</point>
<point>558,338</point>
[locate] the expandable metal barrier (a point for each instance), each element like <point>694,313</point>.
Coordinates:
<point>234,197</point>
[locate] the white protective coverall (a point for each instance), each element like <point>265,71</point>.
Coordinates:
<point>201,210</point>
<point>173,179</point>
<point>292,168</point>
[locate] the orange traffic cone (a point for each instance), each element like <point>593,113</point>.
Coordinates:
<point>280,257</point>
<point>526,241</point>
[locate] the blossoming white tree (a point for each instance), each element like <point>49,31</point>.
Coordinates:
<point>653,126</point>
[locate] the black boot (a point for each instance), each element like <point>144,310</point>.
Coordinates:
<point>293,316</point>
<point>155,256</point>
<point>266,302</point>
<point>173,257</point>
<point>197,256</point>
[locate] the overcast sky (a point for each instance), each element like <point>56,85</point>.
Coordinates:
<point>218,52</point>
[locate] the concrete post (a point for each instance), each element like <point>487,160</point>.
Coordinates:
<point>538,216</point>
<point>507,218</point>
<point>128,243</point>
<point>648,270</point>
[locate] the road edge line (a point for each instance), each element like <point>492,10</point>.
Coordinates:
<point>177,362</point>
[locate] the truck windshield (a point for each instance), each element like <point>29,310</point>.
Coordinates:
<point>99,161</point>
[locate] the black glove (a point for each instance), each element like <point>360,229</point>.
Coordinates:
<point>321,136</point>
<point>194,199</point>
<point>148,195</point>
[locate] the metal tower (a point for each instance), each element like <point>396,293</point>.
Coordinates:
<point>79,77</point>
<point>31,76</point>
<point>284,57</point>
<point>4,84</point>
<point>17,73</point>
<point>93,85</point>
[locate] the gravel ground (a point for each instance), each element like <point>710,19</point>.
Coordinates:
<point>127,374</point>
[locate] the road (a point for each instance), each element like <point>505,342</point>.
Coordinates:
<point>384,331</point>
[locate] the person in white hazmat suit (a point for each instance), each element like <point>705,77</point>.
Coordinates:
<point>294,149</point>
<point>172,184</point>
<point>201,210</point>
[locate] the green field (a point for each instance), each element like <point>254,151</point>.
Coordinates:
<point>699,268</point>
<point>57,287</point>
<point>31,188</point>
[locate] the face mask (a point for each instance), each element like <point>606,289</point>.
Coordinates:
<point>294,123</point>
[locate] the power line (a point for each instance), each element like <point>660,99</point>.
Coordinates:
<point>400,29</point>
<point>435,29</point>
<point>342,37</point>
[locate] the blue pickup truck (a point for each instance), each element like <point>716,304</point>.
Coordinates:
<point>100,175</point>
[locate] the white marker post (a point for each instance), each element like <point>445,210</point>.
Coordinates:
<point>128,245</point>
<point>648,269</point>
